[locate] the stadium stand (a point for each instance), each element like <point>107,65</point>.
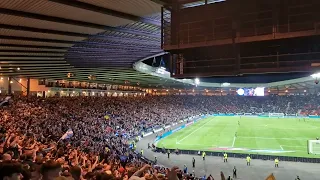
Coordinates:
<point>34,142</point>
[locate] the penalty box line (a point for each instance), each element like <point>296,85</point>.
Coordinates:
<point>272,138</point>
<point>192,132</point>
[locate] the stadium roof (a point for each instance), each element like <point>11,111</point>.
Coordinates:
<point>51,38</point>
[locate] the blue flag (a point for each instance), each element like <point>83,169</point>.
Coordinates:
<point>67,135</point>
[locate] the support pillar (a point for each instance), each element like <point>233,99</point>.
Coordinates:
<point>43,94</point>
<point>9,86</point>
<point>28,87</point>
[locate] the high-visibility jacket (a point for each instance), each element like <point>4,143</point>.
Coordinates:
<point>276,161</point>
<point>203,154</point>
<point>248,158</point>
<point>141,152</point>
<point>225,155</point>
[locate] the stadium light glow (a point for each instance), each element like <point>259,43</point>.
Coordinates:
<point>240,92</point>
<point>315,75</point>
<point>305,91</point>
<point>197,81</point>
<point>225,84</point>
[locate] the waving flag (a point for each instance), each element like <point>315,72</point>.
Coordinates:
<point>271,177</point>
<point>67,135</point>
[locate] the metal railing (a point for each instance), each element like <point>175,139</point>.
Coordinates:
<point>243,156</point>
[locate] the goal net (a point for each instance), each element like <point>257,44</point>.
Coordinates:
<point>276,115</point>
<point>314,146</point>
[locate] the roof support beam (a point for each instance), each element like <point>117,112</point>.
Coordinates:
<point>14,56</point>
<point>159,2</point>
<point>116,37</point>
<point>73,22</point>
<point>28,51</point>
<point>102,10</point>
<point>33,46</point>
<point>112,48</point>
<point>46,31</point>
<point>36,39</point>
<point>132,41</point>
<point>115,44</point>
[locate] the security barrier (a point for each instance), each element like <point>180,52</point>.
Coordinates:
<point>243,156</point>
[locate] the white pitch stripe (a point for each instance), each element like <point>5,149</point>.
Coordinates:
<point>298,138</point>
<point>234,140</point>
<point>293,146</point>
<point>192,133</point>
<point>281,147</point>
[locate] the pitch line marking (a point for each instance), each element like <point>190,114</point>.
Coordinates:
<point>248,137</point>
<point>192,132</point>
<point>281,147</point>
<point>292,146</point>
<point>234,140</point>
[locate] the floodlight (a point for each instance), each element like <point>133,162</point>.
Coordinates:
<point>315,75</point>
<point>197,81</point>
<point>225,84</point>
<point>240,92</point>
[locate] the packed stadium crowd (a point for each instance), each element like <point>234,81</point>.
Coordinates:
<point>34,143</point>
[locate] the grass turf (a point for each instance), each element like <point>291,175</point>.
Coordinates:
<point>283,136</point>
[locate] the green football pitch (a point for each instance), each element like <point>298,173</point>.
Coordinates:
<point>272,136</point>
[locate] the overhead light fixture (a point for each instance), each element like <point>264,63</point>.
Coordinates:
<point>18,68</point>
<point>225,84</point>
<point>11,82</point>
<point>197,81</point>
<point>315,75</point>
